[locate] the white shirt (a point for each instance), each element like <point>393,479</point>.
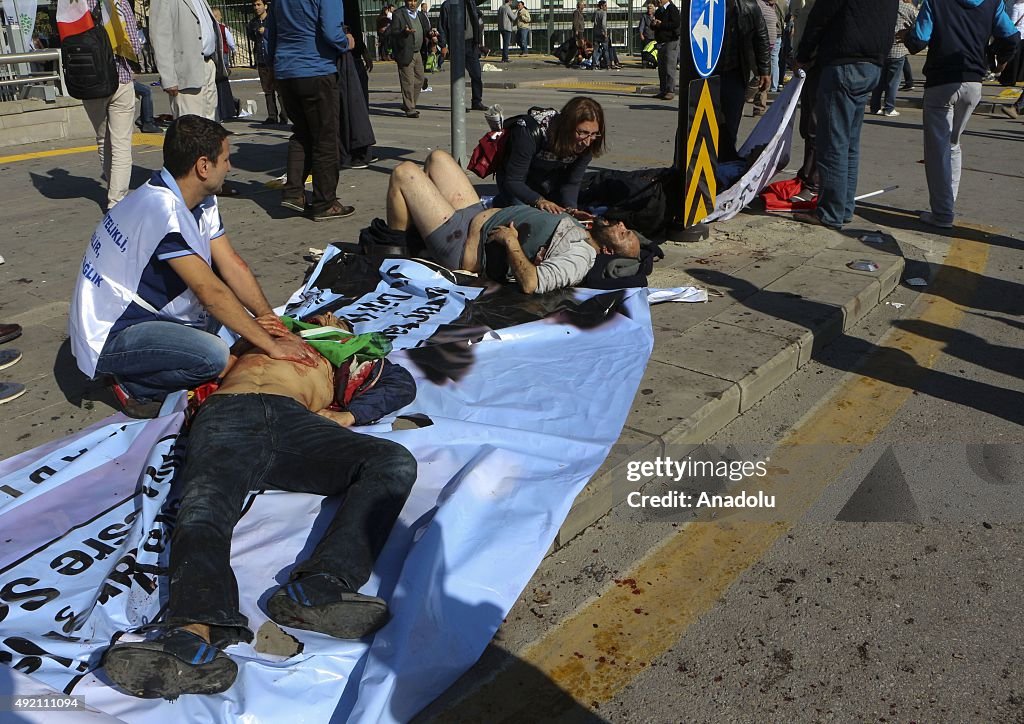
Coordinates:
<point>125,278</point>
<point>206,27</point>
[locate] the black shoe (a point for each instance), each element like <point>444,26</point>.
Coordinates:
<point>9,332</point>
<point>336,211</point>
<point>270,121</point>
<point>357,164</point>
<point>412,114</point>
<point>296,204</point>
<point>478,107</point>
<point>135,408</point>
<point>151,128</point>
<point>321,602</point>
<point>906,87</point>
<point>173,663</point>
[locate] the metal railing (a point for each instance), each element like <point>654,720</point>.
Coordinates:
<point>16,71</point>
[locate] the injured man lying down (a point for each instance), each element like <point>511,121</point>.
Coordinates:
<point>273,425</point>
<point>541,250</point>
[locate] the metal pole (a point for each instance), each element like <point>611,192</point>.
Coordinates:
<point>457,63</point>
<point>551,26</point>
<point>629,28</point>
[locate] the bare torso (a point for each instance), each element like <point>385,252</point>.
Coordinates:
<point>471,252</point>
<point>256,373</point>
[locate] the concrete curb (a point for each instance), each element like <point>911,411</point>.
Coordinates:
<point>715,369</point>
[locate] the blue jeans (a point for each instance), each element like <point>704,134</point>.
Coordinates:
<point>251,442</point>
<point>506,43</point>
<point>889,84</point>
<point>842,93</point>
<point>776,48</point>
<point>145,96</point>
<point>522,39</point>
<point>152,359</point>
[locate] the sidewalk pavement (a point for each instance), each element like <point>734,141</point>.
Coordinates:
<point>780,289</point>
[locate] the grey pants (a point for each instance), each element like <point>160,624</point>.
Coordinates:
<point>947,108</point>
<point>410,77</point>
<point>668,73</point>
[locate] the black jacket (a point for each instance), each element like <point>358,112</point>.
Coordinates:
<point>394,390</point>
<point>745,45</point>
<point>849,31</point>
<point>474,19</point>
<point>668,14</point>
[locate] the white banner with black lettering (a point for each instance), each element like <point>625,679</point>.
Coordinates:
<point>519,400</point>
<point>774,131</point>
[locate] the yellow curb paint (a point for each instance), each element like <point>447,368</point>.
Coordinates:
<point>139,139</point>
<point>591,656</point>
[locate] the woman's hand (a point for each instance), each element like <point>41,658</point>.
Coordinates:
<point>550,206</point>
<point>580,214</point>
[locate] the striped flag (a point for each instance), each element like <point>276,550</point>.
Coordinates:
<point>73,17</point>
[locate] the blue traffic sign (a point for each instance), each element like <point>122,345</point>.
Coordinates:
<point>707,28</point>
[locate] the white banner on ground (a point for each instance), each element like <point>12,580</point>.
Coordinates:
<point>774,131</point>
<point>514,421</point>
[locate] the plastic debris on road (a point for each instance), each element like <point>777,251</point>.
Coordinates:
<point>876,238</point>
<point>677,294</point>
<point>864,265</point>
<point>917,282</point>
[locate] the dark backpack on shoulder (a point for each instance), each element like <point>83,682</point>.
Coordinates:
<point>88,60</point>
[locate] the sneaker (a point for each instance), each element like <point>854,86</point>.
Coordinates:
<point>877,112</point>
<point>270,121</point>
<point>927,217</point>
<point>295,204</point>
<point>412,114</point>
<point>907,87</point>
<point>337,211</point>
<point>9,332</point>
<point>321,602</point>
<point>173,663</point>
<point>9,358</point>
<point>151,128</point>
<point>667,97</point>
<point>891,114</point>
<point>1009,111</point>
<point>428,89</point>
<point>357,164</point>
<point>10,391</point>
<point>132,407</point>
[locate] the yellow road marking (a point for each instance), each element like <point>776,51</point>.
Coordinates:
<point>139,139</point>
<point>594,654</point>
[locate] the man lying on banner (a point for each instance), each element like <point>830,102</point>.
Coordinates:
<point>160,274</point>
<point>272,426</point>
<point>543,251</point>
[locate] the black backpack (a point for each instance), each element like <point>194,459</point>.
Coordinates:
<point>88,60</point>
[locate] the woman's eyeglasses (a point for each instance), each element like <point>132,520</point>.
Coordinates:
<point>584,136</point>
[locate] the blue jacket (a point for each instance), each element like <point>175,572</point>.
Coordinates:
<point>394,390</point>
<point>305,37</point>
<point>956,33</point>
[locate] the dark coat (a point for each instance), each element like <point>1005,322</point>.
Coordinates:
<point>403,44</point>
<point>474,18</point>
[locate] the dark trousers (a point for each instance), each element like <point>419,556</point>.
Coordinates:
<point>312,106</point>
<point>908,73</point>
<point>506,43</point>
<point>888,85</point>
<point>266,74</point>
<point>476,81</point>
<point>145,96</point>
<point>732,93</point>
<point>242,443</point>
<point>843,91</point>
<point>808,172</point>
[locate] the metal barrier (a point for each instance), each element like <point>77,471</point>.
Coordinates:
<point>15,71</point>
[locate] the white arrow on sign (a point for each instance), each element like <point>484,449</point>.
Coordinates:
<point>703,32</point>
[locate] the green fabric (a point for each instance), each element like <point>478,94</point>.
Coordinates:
<point>337,345</point>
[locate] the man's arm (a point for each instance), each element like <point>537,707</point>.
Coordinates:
<point>219,301</point>
<point>161,29</point>
<point>520,150</point>
<point>332,25</point>
<point>239,278</point>
<point>671,19</point>
<point>522,268</point>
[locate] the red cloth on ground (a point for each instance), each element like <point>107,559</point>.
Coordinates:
<point>778,197</point>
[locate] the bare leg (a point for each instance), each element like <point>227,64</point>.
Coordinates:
<point>413,197</point>
<point>450,180</point>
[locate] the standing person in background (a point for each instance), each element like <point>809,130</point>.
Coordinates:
<point>808,125</point>
<point>256,31</point>
<point>893,70</point>
<point>147,121</point>
<point>112,117</point>
<point>666,32</point>
<point>383,29</point>
<point>189,61</point>
<point>956,34</point>
<point>305,38</point>
<point>425,47</point>
<point>147,62</point>
<point>355,131</point>
<point>226,106</point>
<point>644,27</point>
<point>781,14</point>
<point>604,53</point>
<point>407,39</point>
<point>522,27</point>
<point>851,39</point>
<point>474,37</point>
<point>755,93</point>
<point>579,25</point>
<point>506,26</point>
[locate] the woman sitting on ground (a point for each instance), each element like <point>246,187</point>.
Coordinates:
<point>548,174</point>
